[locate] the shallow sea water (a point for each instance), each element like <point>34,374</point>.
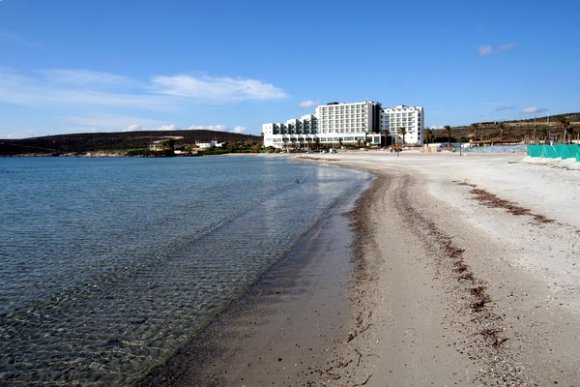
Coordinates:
<point>107,266</point>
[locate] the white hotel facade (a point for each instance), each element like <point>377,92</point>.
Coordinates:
<point>354,123</point>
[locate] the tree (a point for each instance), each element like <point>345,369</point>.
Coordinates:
<point>448,131</point>
<point>402,132</point>
<point>171,144</point>
<point>170,147</point>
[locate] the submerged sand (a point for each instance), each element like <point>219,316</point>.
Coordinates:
<point>465,273</point>
<point>285,328</point>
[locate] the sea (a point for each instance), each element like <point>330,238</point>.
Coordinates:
<point>109,265</point>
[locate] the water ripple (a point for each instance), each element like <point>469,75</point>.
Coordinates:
<point>101,286</point>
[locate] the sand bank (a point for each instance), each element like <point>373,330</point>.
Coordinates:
<point>466,273</point>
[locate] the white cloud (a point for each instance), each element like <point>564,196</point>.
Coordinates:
<point>166,127</point>
<point>309,103</point>
<point>215,89</point>
<point>485,50</point>
<point>134,128</point>
<point>217,128</point>
<point>117,123</point>
<point>47,88</point>
<point>488,49</point>
<point>534,110</point>
<point>63,87</point>
<point>112,123</point>
<point>239,129</point>
<point>20,133</point>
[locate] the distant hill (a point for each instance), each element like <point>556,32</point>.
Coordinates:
<point>114,142</point>
<point>528,130</point>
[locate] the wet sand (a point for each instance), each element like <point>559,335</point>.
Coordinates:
<point>284,330</point>
<point>465,272</point>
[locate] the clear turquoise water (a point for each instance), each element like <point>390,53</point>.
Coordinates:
<point>107,266</point>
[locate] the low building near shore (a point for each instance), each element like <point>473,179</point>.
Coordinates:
<point>164,144</point>
<point>157,146</point>
<point>209,145</point>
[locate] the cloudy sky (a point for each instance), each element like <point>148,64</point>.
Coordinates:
<point>84,66</point>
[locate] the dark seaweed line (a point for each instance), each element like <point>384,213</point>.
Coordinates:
<point>472,291</point>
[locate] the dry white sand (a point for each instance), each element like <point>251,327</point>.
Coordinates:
<point>469,273</point>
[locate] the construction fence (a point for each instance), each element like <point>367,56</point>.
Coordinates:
<point>557,151</point>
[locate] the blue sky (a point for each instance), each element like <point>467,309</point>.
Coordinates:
<point>69,66</point>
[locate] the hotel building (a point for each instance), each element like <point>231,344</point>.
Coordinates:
<point>355,123</point>
<point>409,117</point>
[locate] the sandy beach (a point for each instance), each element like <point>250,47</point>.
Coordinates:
<point>469,273</point>
<point>464,272</point>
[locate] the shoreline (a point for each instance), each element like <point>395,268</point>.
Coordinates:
<point>457,279</point>
<point>286,326</point>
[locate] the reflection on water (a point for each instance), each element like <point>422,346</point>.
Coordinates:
<point>107,266</point>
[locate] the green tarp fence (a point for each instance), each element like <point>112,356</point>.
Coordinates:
<point>558,151</point>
